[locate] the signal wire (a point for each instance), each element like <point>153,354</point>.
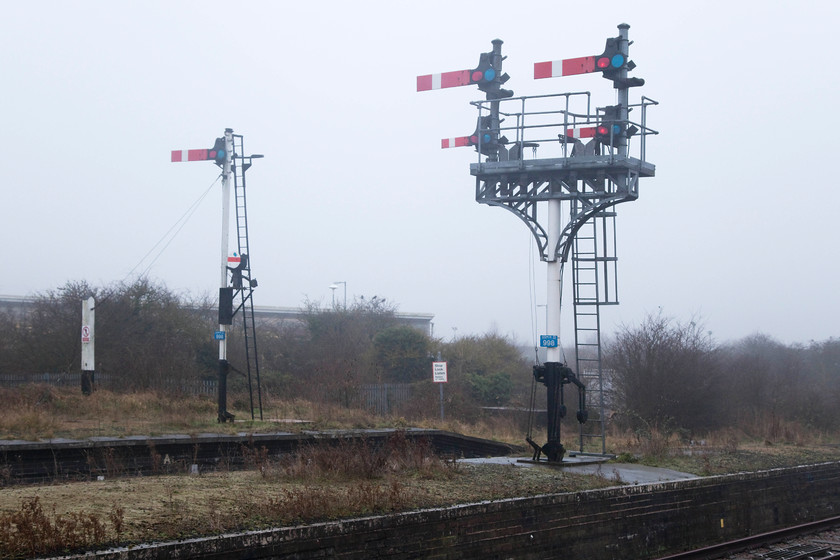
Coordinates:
<point>560,327</point>
<point>182,221</point>
<point>532,288</point>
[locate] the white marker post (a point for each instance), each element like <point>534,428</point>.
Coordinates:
<point>88,359</point>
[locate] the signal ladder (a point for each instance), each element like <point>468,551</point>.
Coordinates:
<point>594,264</point>
<point>245,288</point>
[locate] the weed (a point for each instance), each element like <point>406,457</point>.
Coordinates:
<point>625,457</point>
<point>31,531</point>
<point>113,464</point>
<point>117,517</point>
<point>155,457</point>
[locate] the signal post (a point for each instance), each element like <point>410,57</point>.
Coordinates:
<point>235,280</point>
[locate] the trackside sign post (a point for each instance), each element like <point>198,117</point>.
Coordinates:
<point>88,339</point>
<point>439,376</point>
<point>439,372</point>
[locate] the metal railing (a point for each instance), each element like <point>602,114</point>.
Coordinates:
<point>541,121</point>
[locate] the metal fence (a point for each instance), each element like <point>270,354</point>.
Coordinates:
<point>110,381</point>
<point>384,398</point>
<point>57,379</point>
<point>381,399</point>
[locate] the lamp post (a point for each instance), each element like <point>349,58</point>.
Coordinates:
<point>334,287</point>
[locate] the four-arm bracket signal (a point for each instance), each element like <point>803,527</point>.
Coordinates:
<point>589,162</point>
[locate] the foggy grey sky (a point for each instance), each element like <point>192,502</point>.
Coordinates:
<point>737,228</point>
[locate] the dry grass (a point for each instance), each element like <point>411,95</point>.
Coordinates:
<point>317,484</point>
<point>41,411</point>
<point>37,412</point>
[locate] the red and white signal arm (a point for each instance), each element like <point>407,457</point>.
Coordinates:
<point>439,372</point>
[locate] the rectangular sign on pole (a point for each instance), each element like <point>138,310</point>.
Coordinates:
<point>439,372</point>
<point>548,341</point>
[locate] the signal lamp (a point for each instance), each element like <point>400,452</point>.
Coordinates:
<point>218,152</point>
<point>484,74</point>
<point>615,61</point>
<point>611,131</point>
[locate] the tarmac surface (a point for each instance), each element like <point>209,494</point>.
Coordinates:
<point>621,473</point>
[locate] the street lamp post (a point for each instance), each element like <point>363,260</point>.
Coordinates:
<point>334,286</point>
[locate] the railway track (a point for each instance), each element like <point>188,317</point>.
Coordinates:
<point>818,539</point>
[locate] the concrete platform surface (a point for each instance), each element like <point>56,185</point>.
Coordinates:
<point>622,473</point>
<point>629,473</point>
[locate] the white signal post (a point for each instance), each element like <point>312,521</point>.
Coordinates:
<point>226,176</point>
<point>554,278</point>
<point>224,367</point>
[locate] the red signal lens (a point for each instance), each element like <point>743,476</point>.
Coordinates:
<point>603,130</point>
<point>477,76</point>
<point>602,62</point>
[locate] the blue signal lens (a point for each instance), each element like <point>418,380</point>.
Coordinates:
<point>489,74</point>
<point>617,60</point>
<point>220,153</point>
<point>616,129</point>
<point>486,139</point>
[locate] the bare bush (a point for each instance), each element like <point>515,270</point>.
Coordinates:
<point>668,376</point>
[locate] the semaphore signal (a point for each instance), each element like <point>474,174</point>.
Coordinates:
<point>235,277</point>
<point>613,63</point>
<point>488,76</point>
